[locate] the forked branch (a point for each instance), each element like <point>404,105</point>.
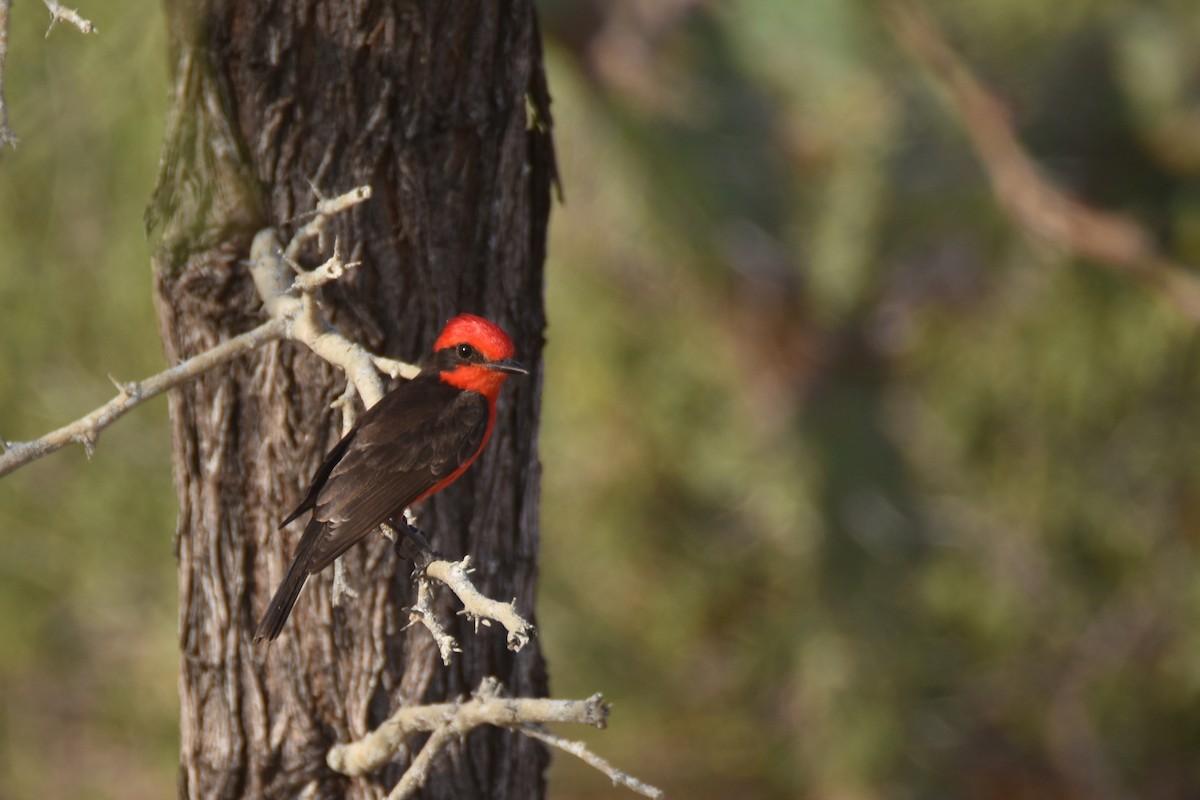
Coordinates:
<point>449,721</point>
<point>293,314</point>
<point>478,607</point>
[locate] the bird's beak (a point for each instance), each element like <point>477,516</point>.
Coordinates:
<point>507,365</point>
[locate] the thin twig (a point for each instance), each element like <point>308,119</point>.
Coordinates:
<point>394,368</point>
<point>1030,197</point>
<point>411,544</point>
<point>293,314</point>
<point>326,208</point>
<point>86,430</point>
<point>580,751</point>
<point>7,137</point>
<point>422,613</point>
<point>345,403</point>
<point>333,269</point>
<point>60,13</point>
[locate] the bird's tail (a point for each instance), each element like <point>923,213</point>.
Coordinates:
<point>288,591</point>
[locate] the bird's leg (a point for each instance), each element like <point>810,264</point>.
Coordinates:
<point>412,545</point>
<point>417,535</point>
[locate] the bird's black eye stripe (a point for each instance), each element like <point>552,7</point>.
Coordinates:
<point>467,353</point>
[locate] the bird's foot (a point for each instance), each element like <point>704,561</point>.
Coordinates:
<point>412,544</point>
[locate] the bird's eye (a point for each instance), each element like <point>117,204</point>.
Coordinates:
<point>466,352</point>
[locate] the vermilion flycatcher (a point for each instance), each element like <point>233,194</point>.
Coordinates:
<point>414,442</point>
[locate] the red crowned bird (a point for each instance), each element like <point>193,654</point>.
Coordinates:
<point>414,442</point>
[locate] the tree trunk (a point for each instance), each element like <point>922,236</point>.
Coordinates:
<point>427,103</point>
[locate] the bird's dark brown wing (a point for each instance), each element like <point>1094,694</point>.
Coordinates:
<point>419,434</point>
<point>321,476</point>
<point>416,436</point>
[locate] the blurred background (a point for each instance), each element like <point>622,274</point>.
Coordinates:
<point>853,490</point>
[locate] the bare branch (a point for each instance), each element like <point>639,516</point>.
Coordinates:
<point>487,706</point>
<point>1030,197</point>
<point>411,544</point>
<point>86,430</point>
<point>393,368</point>
<point>293,314</point>
<point>580,751</point>
<point>60,13</point>
<point>422,612</point>
<point>418,771</point>
<point>275,284</point>
<point>334,268</point>
<point>326,208</point>
<point>345,404</point>
<point>479,607</point>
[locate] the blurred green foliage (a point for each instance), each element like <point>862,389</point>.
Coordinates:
<point>852,490</point>
<point>857,491</point>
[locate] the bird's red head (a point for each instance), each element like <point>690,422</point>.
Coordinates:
<point>475,354</point>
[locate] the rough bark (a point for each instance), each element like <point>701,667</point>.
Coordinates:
<point>426,102</point>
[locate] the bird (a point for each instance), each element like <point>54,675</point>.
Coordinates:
<point>417,440</point>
